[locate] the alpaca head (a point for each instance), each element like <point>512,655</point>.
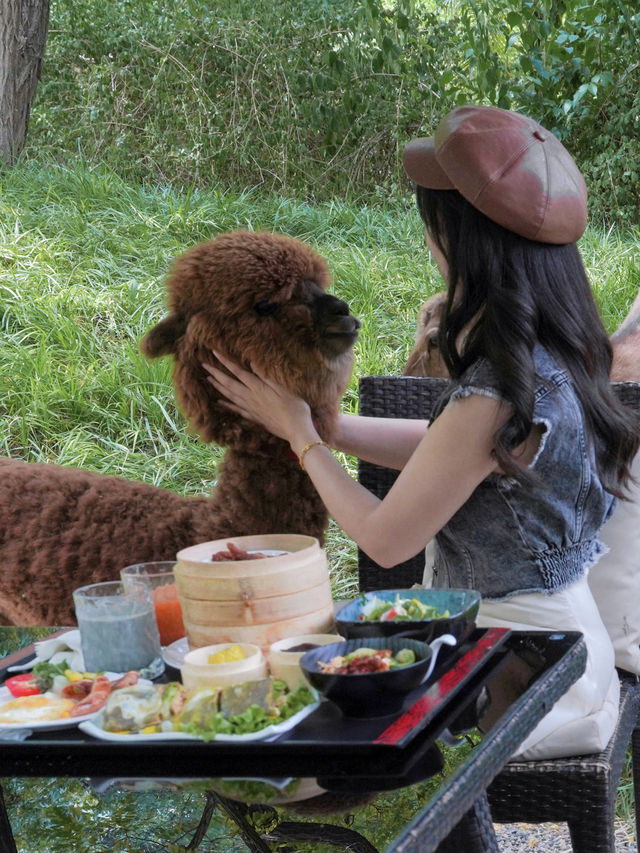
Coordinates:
<point>259,299</point>
<point>425,359</point>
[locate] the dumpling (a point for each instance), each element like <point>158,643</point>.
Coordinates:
<point>132,708</point>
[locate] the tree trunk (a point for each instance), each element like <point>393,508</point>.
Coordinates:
<point>23,35</point>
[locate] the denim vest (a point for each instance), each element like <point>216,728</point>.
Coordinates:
<point>511,538</point>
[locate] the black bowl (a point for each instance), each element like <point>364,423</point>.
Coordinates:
<point>371,694</point>
<point>462,605</point>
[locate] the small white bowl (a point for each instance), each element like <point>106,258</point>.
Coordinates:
<point>285,665</point>
<point>196,671</point>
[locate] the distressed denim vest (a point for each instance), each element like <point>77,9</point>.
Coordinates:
<point>512,538</point>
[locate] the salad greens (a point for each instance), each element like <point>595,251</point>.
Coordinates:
<point>44,673</point>
<point>400,610</point>
<point>202,714</point>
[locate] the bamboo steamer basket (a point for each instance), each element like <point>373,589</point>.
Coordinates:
<point>254,601</point>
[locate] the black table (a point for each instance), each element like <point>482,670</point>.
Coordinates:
<point>486,696</point>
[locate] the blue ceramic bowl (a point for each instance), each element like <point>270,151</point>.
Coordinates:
<point>462,605</point>
<point>371,694</point>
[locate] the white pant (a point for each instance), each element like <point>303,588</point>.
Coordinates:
<point>582,721</point>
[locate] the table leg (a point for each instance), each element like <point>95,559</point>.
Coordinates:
<point>237,812</point>
<point>474,833</point>
<point>336,836</point>
<point>7,844</point>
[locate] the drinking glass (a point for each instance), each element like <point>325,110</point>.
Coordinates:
<point>159,577</point>
<point>118,629</point>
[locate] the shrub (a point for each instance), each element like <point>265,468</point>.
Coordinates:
<point>316,99</point>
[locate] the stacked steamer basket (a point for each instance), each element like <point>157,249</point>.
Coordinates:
<point>254,601</point>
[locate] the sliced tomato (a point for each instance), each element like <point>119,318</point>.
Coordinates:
<point>24,684</point>
<point>390,614</point>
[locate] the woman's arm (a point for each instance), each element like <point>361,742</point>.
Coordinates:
<point>383,441</point>
<point>453,457</point>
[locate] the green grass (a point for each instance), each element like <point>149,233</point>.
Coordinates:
<point>83,255</point>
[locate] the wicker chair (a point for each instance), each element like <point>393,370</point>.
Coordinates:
<point>581,790</point>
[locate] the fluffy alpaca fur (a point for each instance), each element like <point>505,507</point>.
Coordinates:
<point>626,347</point>
<point>425,358</point>
<point>259,299</point>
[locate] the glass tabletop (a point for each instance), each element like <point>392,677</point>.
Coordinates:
<point>267,798</point>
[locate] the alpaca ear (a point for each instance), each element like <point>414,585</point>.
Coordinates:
<point>163,338</point>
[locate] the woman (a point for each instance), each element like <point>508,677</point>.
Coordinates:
<point>521,466</point>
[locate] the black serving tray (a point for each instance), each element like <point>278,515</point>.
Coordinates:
<point>324,744</point>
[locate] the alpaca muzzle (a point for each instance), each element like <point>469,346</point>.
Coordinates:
<point>335,324</point>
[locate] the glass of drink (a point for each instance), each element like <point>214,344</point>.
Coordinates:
<point>158,576</point>
<point>118,629</point>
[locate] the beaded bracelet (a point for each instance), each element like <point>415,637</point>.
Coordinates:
<point>307,448</point>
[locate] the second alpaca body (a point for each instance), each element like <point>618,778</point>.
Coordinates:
<point>425,358</point>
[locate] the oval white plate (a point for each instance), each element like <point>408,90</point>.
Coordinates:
<point>94,729</point>
<point>62,723</point>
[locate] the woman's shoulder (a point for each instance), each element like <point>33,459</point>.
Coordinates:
<point>482,374</point>
<point>479,378</point>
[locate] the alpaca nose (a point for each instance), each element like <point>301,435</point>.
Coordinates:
<point>337,327</point>
<point>328,309</point>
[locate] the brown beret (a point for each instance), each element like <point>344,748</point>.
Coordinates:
<point>507,166</point>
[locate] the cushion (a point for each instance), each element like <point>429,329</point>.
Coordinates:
<point>615,579</point>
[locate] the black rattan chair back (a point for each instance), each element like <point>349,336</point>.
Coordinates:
<point>581,790</point>
<point>393,397</point>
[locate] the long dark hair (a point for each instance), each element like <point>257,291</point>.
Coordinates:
<point>510,293</point>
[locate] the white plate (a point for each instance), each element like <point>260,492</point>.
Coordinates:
<point>42,725</point>
<point>173,654</point>
<point>93,728</point>
<point>102,786</point>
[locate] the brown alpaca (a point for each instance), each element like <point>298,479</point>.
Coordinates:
<point>425,358</point>
<point>257,298</point>
<point>625,343</point>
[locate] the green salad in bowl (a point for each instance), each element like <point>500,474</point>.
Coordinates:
<point>421,614</point>
<point>401,609</point>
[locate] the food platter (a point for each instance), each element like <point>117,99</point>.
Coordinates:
<point>134,709</point>
<point>94,729</point>
<point>322,735</point>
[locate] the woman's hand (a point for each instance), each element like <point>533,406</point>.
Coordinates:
<point>264,402</point>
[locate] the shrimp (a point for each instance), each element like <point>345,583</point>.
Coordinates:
<point>127,680</point>
<point>96,699</point>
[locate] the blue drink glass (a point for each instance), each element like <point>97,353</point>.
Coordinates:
<point>118,629</point>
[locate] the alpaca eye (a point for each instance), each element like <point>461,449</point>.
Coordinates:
<point>264,308</point>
